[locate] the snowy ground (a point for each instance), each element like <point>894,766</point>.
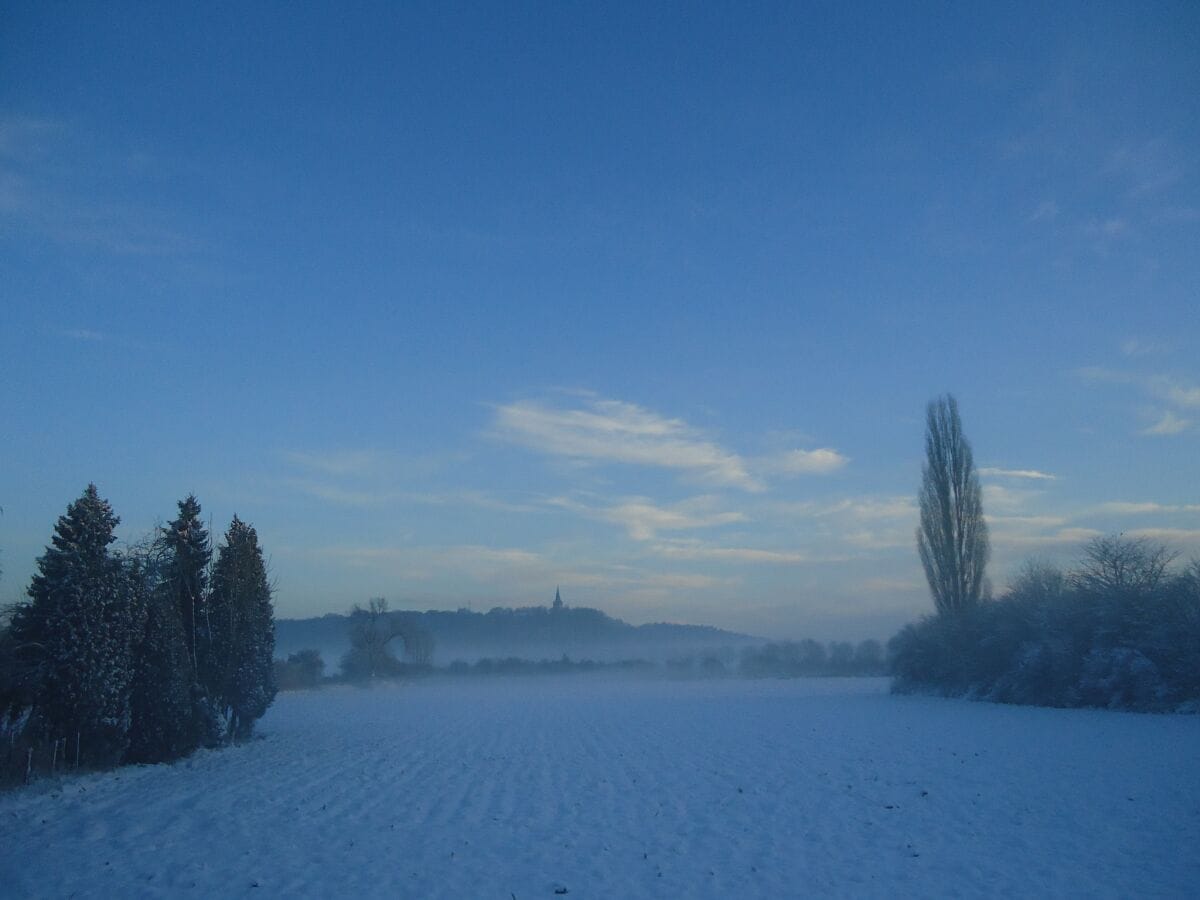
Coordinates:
<point>518,788</point>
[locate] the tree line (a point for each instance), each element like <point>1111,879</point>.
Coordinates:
<point>1120,629</point>
<point>371,633</point>
<point>141,654</point>
<point>784,659</point>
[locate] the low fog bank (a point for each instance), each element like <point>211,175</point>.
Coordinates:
<point>803,659</point>
<point>528,633</point>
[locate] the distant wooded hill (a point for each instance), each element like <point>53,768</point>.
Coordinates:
<point>534,632</point>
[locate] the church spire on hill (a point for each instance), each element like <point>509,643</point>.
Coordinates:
<point>558,604</point>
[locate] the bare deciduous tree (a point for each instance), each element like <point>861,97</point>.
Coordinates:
<point>372,631</point>
<point>1038,579</point>
<point>418,643</point>
<point>1118,566</point>
<point>953,537</point>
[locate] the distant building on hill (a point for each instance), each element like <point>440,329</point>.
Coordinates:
<point>558,604</point>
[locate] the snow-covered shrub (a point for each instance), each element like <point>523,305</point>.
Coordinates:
<point>1121,678</point>
<point>302,669</point>
<point>1123,632</point>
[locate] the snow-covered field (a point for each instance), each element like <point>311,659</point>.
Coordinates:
<point>521,788</point>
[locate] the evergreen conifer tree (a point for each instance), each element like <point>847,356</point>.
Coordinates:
<point>241,677</point>
<point>75,634</point>
<point>186,553</point>
<point>162,725</point>
<point>185,574</point>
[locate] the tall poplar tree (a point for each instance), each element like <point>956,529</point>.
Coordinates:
<point>952,538</point>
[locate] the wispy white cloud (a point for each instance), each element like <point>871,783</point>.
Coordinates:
<point>1168,424</point>
<point>24,138</point>
<point>472,560</point>
<point>614,431</point>
<point>874,539</point>
<point>821,461</point>
<point>1024,532</point>
<point>376,496</point>
<point>891,585</point>
<point>867,523</point>
<point>597,430</point>
<point>369,477</point>
<point>339,462</point>
<point>1025,522</point>
<point>689,550</point>
<point>684,581</point>
<point>1109,228</point>
<point>1167,390</point>
<point>1135,347</point>
<point>1183,394</point>
<point>38,158</point>
<point>997,496</point>
<point>344,496</point>
<point>1146,168</point>
<point>1169,535</point>
<point>479,500</point>
<point>1046,211</point>
<point>1122,507</point>
<point>1060,537</point>
<point>1178,215</point>
<point>643,519</point>
<point>867,508</point>
<point>871,508</point>
<point>1103,375</point>
<point>116,342</point>
<point>845,527</point>
<point>518,573</point>
<point>120,228</point>
<point>1031,474</point>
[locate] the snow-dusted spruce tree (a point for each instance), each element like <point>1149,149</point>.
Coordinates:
<point>76,634</point>
<point>162,725</point>
<point>952,538</point>
<point>186,555</point>
<point>240,674</point>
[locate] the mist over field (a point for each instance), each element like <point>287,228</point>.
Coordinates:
<point>531,633</point>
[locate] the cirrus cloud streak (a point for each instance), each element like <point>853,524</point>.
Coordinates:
<point>599,430</point>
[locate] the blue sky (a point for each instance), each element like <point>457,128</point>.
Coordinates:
<point>458,303</point>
